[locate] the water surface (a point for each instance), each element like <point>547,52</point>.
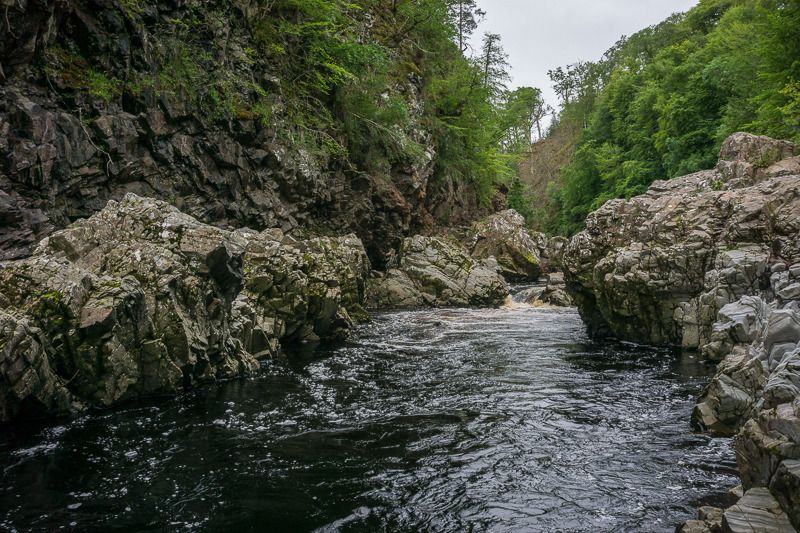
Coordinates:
<point>439,420</point>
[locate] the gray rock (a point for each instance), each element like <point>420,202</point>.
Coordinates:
<point>658,267</point>
<point>143,299</point>
<point>756,512</point>
<point>504,236</point>
<point>554,292</point>
<point>433,272</point>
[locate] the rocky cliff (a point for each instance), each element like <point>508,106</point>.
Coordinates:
<point>171,100</point>
<point>711,261</point>
<point>658,267</point>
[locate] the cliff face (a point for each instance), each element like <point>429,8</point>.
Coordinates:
<point>658,267</point>
<point>169,99</point>
<point>712,261</point>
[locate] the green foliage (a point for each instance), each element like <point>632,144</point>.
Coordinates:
<point>367,84</point>
<point>660,103</point>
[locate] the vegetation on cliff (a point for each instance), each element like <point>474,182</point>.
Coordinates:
<point>659,103</point>
<point>368,84</point>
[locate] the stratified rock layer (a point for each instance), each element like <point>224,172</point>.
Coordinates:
<point>142,299</point>
<point>434,272</point>
<point>658,267</point>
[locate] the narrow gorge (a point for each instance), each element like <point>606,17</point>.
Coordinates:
<point>311,265</point>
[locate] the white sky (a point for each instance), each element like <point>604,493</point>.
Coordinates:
<point>539,35</point>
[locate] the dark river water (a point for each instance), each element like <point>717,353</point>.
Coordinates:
<point>441,420</point>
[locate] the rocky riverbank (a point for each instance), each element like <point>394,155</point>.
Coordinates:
<point>142,299</point>
<point>711,261</point>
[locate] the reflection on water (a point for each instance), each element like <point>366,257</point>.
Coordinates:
<point>441,420</point>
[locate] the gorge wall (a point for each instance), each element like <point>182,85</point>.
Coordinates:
<point>174,101</point>
<point>711,261</point>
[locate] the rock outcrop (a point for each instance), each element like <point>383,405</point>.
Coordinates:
<point>142,299</point>
<point>711,261</point>
<point>504,237</point>
<point>658,267</point>
<point>434,272</point>
<point>553,292</point>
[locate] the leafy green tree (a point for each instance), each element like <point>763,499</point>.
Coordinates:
<point>659,103</point>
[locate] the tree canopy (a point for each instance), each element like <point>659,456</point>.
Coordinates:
<point>659,103</point>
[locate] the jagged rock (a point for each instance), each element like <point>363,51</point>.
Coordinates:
<point>708,261</point>
<point>658,267</point>
<point>729,398</point>
<point>142,299</point>
<point>504,236</point>
<point>756,512</point>
<point>740,322</point>
<point>65,151</point>
<point>554,292</point>
<point>433,272</point>
<point>709,520</point>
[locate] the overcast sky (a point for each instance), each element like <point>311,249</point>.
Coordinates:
<point>539,35</point>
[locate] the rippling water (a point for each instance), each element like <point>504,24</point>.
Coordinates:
<point>442,420</point>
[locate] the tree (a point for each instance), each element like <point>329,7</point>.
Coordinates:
<point>523,110</point>
<point>570,83</point>
<point>494,64</point>
<point>465,15</point>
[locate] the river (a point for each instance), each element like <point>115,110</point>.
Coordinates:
<point>436,420</point>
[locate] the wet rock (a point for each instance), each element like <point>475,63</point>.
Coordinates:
<point>504,236</point>
<point>553,292</point>
<point>756,512</point>
<point>433,272</point>
<point>142,299</point>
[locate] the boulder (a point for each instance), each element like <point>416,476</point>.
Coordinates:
<point>517,251</point>
<point>143,299</point>
<point>709,520</point>
<point>433,272</point>
<point>553,292</point>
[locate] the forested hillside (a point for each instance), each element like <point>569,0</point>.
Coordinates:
<point>659,103</point>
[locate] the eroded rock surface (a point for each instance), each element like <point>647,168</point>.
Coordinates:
<point>434,272</point>
<point>658,267</point>
<point>711,261</point>
<point>504,237</point>
<point>142,299</point>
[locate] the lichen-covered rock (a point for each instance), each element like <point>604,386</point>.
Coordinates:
<point>433,272</point>
<point>658,267</point>
<point>142,299</point>
<point>504,236</point>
